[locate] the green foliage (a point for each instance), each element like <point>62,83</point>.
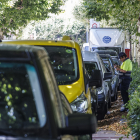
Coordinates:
<point>124,14</point>
<point>134,103</point>
<point>17,13</point>
<point>55,28</point>
<point>90,9</point>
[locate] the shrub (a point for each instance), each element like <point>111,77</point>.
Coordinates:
<point>133,115</point>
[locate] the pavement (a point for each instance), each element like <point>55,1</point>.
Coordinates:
<point>109,135</point>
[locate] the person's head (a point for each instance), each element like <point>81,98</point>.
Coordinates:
<point>122,56</point>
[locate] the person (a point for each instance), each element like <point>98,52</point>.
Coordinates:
<point>124,75</point>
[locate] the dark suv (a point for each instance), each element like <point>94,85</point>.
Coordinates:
<point>30,103</point>
<point>113,82</point>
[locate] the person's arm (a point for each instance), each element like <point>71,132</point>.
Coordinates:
<point>118,69</point>
<point>121,70</point>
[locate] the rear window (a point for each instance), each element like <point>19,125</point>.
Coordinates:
<point>21,102</point>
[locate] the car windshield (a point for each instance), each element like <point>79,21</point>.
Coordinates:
<point>21,102</point>
<point>64,63</point>
<point>91,66</point>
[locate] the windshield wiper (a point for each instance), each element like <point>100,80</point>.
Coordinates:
<point>7,133</point>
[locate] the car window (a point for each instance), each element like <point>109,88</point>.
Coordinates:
<point>91,66</point>
<point>116,61</point>
<point>21,102</point>
<point>107,66</point>
<point>103,66</point>
<point>65,64</point>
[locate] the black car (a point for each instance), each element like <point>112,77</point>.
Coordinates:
<point>98,76</point>
<point>111,52</point>
<point>30,102</point>
<point>116,61</point>
<point>109,58</point>
<point>117,49</point>
<point>113,82</point>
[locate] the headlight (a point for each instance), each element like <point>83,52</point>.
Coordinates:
<point>100,90</point>
<point>80,104</point>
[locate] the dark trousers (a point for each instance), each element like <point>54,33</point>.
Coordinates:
<point>124,89</point>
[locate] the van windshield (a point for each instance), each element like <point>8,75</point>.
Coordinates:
<point>64,63</point>
<point>21,102</point>
<point>91,66</point>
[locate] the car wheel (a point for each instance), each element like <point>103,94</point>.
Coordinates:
<point>118,88</point>
<point>116,94</point>
<point>106,108</point>
<point>101,114</point>
<point>114,98</point>
<point>109,103</point>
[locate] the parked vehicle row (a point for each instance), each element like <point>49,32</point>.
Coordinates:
<point>66,61</point>
<point>98,77</point>
<point>31,104</point>
<point>85,85</point>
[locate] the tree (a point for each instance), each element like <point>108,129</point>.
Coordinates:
<point>124,14</point>
<point>90,9</point>
<point>15,14</point>
<point>55,28</point>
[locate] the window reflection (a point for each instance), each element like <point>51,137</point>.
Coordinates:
<point>19,91</point>
<point>91,66</point>
<point>64,62</point>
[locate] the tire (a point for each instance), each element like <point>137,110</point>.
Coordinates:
<point>118,88</point>
<point>101,115</point>
<point>109,103</point>
<point>114,98</point>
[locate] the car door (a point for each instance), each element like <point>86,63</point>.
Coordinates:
<point>114,80</point>
<point>67,110</point>
<point>105,84</point>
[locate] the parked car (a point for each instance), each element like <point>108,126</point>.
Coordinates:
<point>117,49</point>
<point>30,103</point>
<point>66,60</point>
<point>113,82</point>
<point>99,75</point>
<point>109,58</point>
<point>116,61</point>
<point>111,52</point>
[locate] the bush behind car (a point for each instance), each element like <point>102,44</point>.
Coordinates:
<point>133,115</point>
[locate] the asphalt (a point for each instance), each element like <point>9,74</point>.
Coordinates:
<point>109,135</point>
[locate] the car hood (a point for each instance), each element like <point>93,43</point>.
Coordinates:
<point>72,91</point>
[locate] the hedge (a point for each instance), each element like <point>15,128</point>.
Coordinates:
<point>133,115</point>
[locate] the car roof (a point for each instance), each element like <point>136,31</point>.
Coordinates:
<point>19,51</point>
<point>67,43</point>
<point>90,56</point>
<point>106,51</point>
<point>105,55</point>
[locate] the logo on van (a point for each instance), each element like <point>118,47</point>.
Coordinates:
<point>106,39</point>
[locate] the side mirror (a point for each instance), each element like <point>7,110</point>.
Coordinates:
<point>107,75</point>
<point>79,124</point>
<point>96,79</point>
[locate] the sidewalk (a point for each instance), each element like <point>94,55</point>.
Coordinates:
<point>109,135</point>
